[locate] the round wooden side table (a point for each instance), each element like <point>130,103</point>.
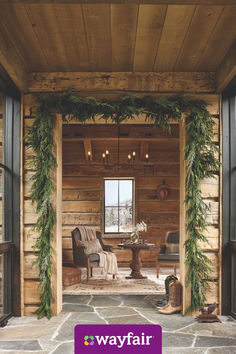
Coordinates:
<point>136,264</point>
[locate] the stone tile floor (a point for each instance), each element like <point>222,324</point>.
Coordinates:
<point>180,334</point>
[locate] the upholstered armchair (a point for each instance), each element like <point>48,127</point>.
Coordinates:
<point>169,252</point>
<point>85,253</point>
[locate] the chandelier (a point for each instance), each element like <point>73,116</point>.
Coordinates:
<point>131,156</point>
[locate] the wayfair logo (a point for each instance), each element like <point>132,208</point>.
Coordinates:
<point>88,340</point>
<point>113,338</point>
<point>120,341</point>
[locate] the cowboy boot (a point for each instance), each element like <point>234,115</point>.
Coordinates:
<point>175,299</point>
<point>169,279</point>
<point>165,301</point>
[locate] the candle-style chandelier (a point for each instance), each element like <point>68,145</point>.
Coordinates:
<point>131,156</point>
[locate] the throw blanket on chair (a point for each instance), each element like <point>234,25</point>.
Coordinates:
<point>108,262</point>
<point>87,234</point>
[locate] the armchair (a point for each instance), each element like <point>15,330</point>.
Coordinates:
<point>85,253</point>
<point>169,252</point>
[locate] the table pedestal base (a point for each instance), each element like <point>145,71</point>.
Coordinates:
<point>135,277</point>
<point>135,265</point>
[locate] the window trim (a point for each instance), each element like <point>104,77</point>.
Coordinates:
<point>11,197</point>
<point>117,234</point>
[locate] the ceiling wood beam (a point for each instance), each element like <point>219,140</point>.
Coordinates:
<point>146,2</point>
<point>12,62</point>
<point>144,140</point>
<point>87,149</point>
<point>226,70</point>
<point>190,82</point>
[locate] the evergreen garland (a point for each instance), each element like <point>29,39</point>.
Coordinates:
<point>199,154</point>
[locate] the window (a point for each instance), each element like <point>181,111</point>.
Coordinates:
<point>9,207</point>
<point>118,205</point>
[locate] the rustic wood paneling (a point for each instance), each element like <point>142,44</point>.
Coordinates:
<point>212,235</point>
<point>30,215</point>
<point>81,206</point>
<point>146,36</point>
<point>202,24</point>
<point>126,80</point>
<point>216,49</point>
<point>123,33</point>
<point>149,30</point>
<point>86,195</point>
<point>174,30</point>
<point>210,187</point>
<point>30,271</point>
<point>162,170</point>
<point>29,239</point>
<point>152,182</point>
<point>31,292</point>
<point>30,103</point>
<point>49,34</point>
<point>11,60</point>
<point>80,219</point>
<point>148,195</point>
<point>212,293</point>
<point>97,21</point>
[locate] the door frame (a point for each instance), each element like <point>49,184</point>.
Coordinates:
<point>227,218</point>
<point>10,247</point>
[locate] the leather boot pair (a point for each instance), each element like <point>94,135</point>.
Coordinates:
<point>175,299</point>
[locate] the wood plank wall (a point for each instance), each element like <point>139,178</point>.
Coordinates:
<point>146,192</point>
<point>83,182</point>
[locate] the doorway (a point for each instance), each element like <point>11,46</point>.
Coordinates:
<point>150,158</point>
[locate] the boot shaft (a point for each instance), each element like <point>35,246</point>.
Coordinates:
<point>169,279</point>
<point>175,294</point>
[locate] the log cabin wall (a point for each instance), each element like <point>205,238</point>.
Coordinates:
<point>83,181</point>
<point>210,188</point>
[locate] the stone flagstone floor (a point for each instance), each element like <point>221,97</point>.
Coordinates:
<point>180,334</point>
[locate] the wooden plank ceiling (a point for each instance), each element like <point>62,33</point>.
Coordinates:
<point>119,37</point>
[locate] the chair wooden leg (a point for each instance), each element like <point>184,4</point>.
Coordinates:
<point>87,273</point>
<point>113,277</point>
<point>158,269</point>
<point>175,271</point>
<point>91,269</point>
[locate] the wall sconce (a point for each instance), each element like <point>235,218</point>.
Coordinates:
<point>146,158</point>
<point>129,158</point>
<point>107,154</point>
<point>134,153</point>
<point>89,155</point>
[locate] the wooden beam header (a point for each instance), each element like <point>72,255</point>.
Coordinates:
<point>227,69</point>
<point>144,2</point>
<point>185,82</point>
<point>11,61</point>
